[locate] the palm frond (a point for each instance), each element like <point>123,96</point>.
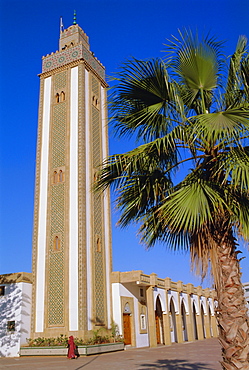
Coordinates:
<point>235,166</point>
<point>197,65</point>
<point>143,99</point>
<point>233,91</point>
<point>193,204</point>
<point>222,126</point>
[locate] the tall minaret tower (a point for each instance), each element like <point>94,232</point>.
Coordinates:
<point>72,234</point>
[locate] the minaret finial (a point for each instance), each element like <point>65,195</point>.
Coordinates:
<point>74,17</point>
<point>61,25</point>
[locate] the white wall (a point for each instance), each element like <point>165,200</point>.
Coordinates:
<point>15,305</point>
<point>73,206</point>
<point>161,293</point>
<point>43,203</point>
<point>246,289</point>
<point>131,291</point>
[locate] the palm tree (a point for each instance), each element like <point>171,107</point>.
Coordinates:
<point>186,184</point>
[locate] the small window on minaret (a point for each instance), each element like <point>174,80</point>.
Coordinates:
<point>57,98</point>
<point>57,243</point>
<point>98,244</point>
<point>60,176</point>
<point>62,97</point>
<point>95,176</point>
<point>55,177</point>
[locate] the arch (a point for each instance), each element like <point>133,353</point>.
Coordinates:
<point>203,302</point>
<point>98,244</point>
<point>143,325</point>
<point>127,308</point>
<point>60,176</point>
<point>203,320</point>
<point>184,321</point>
<point>158,296</point>
<point>57,98</point>
<point>172,298</point>
<point>210,304</point>
<point>172,316</point>
<point>210,320</point>
<point>62,96</point>
<point>57,243</point>
<point>127,324</point>
<point>55,177</point>
<point>159,321</point>
<point>194,321</point>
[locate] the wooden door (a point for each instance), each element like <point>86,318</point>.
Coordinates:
<point>158,339</point>
<point>127,328</point>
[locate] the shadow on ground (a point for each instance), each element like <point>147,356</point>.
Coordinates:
<point>93,359</point>
<point>175,365</point>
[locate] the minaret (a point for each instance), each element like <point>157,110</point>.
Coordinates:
<point>72,234</point>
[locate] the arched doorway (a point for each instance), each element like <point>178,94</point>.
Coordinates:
<point>184,322</point>
<point>203,321</point>
<point>210,321</point>
<point>194,322</point>
<point>172,321</point>
<point>127,324</point>
<point>159,322</point>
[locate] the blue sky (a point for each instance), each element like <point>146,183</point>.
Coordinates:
<point>117,30</point>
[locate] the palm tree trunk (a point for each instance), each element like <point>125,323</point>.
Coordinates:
<point>232,316</point>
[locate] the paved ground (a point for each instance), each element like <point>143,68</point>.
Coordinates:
<point>201,355</point>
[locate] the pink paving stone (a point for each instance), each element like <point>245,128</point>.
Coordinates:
<point>199,355</point>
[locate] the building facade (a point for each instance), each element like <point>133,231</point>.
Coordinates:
<point>72,238</point>
<point>15,312</point>
<point>151,311</point>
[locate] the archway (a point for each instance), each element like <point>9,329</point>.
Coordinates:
<point>203,321</point>
<point>159,322</point>
<point>184,322</point>
<point>127,324</point>
<point>210,321</point>
<point>173,321</point>
<point>194,322</point>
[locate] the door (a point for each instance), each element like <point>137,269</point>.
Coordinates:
<point>184,323</point>
<point>157,330</point>
<point>159,322</point>
<point>127,328</point>
<point>194,322</point>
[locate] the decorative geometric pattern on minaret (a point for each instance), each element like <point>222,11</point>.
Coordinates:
<point>56,289</point>
<point>60,80</point>
<point>72,54</point>
<point>56,258</point>
<point>56,261</point>
<point>98,209</point>
<point>59,135</point>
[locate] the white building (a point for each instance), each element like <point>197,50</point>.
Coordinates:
<point>151,311</point>
<point>246,289</point>
<point>15,312</point>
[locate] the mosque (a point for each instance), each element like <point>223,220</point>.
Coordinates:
<point>72,289</point>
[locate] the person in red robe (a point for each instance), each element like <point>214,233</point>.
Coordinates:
<point>71,348</point>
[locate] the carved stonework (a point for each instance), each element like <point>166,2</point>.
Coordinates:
<point>72,54</point>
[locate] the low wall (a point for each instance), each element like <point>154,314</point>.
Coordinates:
<point>62,351</point>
